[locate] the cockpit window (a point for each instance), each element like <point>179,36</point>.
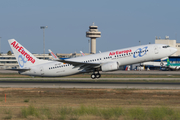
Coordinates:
<point>166,46</point>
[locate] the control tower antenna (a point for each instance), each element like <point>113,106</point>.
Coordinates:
<point>93,33</point>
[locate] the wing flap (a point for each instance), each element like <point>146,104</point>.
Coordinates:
<point>82,65</point>
<point>19,70</point>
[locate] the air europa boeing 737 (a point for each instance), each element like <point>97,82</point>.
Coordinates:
<point>105,61</point>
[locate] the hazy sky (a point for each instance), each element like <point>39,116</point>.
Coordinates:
<point>123,23</point>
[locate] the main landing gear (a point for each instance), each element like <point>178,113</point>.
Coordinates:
<point>95,75</point>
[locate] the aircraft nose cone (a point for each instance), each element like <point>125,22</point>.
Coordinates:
<point>173,50</point>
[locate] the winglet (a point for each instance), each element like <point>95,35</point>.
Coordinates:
<point>82,53</point>
<point>53,55</point>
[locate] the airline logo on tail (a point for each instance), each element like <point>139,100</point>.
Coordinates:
<point>23,53</point>
<point>21,61</point>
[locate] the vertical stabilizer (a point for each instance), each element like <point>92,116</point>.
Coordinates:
<point>23,56</point>
<point>168,62</point>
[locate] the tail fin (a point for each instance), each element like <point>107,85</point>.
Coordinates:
<point>53,55</point>
<point>168,62</point>
<point>23,56</point>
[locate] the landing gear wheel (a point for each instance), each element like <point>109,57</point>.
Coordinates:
<point>93,76</point>
<point>98,75</point>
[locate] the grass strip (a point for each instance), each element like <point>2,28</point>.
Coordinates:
<point>136,113</point>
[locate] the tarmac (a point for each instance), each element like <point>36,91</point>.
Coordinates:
<point>97,83</point>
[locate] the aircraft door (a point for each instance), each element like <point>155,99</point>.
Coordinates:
<point>156,51</point>
<point>41,71</point>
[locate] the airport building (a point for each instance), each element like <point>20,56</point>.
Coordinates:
<point>93,33</point>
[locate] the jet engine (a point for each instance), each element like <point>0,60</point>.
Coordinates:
<point>110,66</point>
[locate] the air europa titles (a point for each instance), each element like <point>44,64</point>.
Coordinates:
<point>119,52</point>
<point>21,50</point>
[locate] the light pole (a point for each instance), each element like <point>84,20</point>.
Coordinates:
<point>43,27</point>
<point>0,45</point>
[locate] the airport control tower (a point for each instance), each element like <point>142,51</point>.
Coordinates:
<point>93,33</point>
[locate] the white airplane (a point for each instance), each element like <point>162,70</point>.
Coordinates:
<point>106,61</point>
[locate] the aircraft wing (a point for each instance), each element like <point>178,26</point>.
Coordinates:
<point>81,64</point>
<point>20,70</point>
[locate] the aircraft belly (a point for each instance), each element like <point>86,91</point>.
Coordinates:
<point>61,72</point>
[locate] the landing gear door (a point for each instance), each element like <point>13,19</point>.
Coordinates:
<point>156,50</point>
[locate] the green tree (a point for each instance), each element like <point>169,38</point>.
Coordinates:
<point>9,52</point>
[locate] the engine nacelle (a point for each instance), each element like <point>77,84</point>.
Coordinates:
<point>110,66</point>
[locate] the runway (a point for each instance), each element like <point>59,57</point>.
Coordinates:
<point>86,79</point>
<point>150,72</point>
<point>69,82</point>
<point>85,84</point>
